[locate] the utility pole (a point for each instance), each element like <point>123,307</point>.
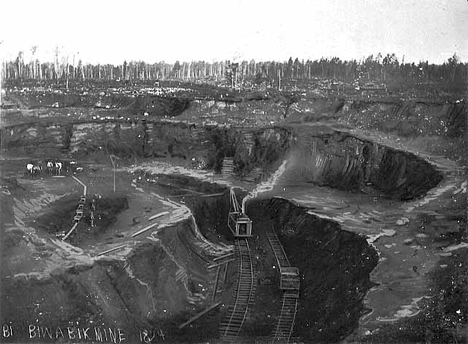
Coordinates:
<point>113,160</point>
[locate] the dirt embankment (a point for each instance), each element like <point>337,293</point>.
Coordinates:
<point>443,318</point>
<point>429,126</point>
<point>152,287</point>
<point>334,266</point>
<point>133,104</point>
<point>149,290</point>
<point>405,118</point>
<point>337,159</point>
<point>144,292</point>
<point>207,145</point>
<point>322,155</point>
<point>209,203</point>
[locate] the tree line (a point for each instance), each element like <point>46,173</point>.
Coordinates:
<point>385,69</point>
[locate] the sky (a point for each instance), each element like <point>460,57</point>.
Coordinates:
<point>101,31</point>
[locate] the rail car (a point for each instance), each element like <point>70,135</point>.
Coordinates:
<point>238,222</point>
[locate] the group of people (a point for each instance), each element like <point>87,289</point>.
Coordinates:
<point>52,167</point>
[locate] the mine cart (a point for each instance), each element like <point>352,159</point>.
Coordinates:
<point>240,225</point>
<point>238,222</point>
<point>290,279</point>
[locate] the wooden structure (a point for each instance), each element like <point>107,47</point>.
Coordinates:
<point>238,222</point>
<point>227,169</point>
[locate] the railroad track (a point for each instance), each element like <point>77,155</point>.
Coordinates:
<point>243,295</point>
<point>285,324</point>
<point>278,250</point>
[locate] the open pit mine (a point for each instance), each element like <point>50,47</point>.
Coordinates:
<point>146,218</point>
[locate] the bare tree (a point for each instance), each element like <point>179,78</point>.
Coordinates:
<point>33,62</point>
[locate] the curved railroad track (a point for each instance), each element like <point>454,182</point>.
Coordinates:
<point>243,295</point>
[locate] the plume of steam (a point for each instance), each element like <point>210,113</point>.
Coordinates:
<point>265,186</point>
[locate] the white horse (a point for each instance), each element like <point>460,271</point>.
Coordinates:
<point>30,168</point>
<point>33,169</point>
<point>50,166</point>
<point>37,169</point>
<point>58,167</point>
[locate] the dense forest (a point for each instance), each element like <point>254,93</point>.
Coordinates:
<point>383,69</point>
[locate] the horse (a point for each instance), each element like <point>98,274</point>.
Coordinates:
<point>30,169</point>
<point>58,167</point>
<point>50,166</point>
<point>37,169</point>
<point>33,169</point>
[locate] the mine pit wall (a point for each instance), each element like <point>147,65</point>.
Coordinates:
<point>131,103</point>
<point>408,118</point>
<point>208,145</point>
<point>402,117</point>
<point>405,118</point>
<point>208,202</point>
<point>334,265</point>
<point>36,138</point>
<point>139,293</point>
<point>337,159</point>
<point>319,154</point>
<point>70,297</point>
<point>249,113</point>
<point>431,126</point>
